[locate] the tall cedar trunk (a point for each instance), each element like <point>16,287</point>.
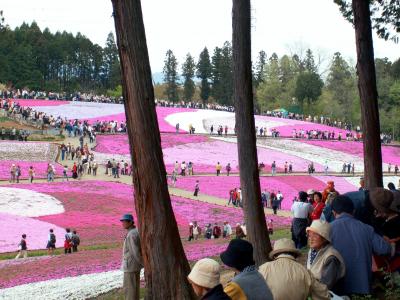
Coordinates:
<point>165,263</point>
<point>368,94</point>
<point>247,149</point>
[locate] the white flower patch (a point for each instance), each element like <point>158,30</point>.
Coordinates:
<point>27,151</point>
<point>72,288</point>
<point>28,203</point>
<point>316,154</point>
<point>202,120</point>
<point>386,180</point>
<point>103,158</point>
<point>83,110</point>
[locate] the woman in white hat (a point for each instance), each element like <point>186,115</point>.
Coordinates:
<point>325,262</point>
<point>204,279</point>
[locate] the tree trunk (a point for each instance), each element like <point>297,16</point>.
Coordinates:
<point>368,95</point>
<point>247,149</point>
<point>165,263</point>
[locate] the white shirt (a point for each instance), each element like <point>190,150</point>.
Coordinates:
<point>301,210</point>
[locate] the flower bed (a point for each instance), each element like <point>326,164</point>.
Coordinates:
<point>390,154</point>
<point>118,144</point>
<point>86,262</point>
<point>220,186</point>
<point>39,167</point>
<point>93,208</point>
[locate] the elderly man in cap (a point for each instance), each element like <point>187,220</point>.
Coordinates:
<point>287,278</point>
<point>205,280</point>
<point>248,282</point>
<point>356,242</point>
<point>132,261</point>
<point>324,261</point>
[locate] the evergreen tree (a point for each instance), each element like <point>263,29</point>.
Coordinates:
<point>216,75</point>
<point>309,63</point>
<point>260,68</point>
<point>308,88</point>
<point>341,84</point>
<point>188,69</point>
<point>204,71</point>
<point>227,74</point>
<point>111,66</point>
<point>171,76</point>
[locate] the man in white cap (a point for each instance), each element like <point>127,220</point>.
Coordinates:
<point>287,278</point>
<point>132,261</point>
<point>325,262</point>
<point>205,280</point>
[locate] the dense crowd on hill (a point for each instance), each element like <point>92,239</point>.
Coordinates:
<point>11,105</point>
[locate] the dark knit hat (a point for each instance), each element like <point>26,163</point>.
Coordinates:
<point>303,196</point>
<point>238,255</point>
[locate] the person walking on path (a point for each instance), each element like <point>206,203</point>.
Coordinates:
<point>67,241</point>
<point>218,168</point>
<point>31,173</point>
<point>23,248</point>
<point>273,168</point>
<point>132,261</point>
<point>228,169</point>
<point>196,189</point>
<point>18,173</point>
<point>75,241</point>
<point>51,242</point>
<point>13,170</point>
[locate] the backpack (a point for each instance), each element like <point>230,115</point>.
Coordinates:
<point>52,238</point>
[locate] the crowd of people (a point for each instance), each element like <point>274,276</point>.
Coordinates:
<point>345,253</point>
<point>71,243</point>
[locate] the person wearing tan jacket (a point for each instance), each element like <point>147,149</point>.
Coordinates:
<point>325,262</point>
<point>132,261</point>
<point>287,278</point>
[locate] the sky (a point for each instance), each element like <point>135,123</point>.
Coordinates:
<point>284,26</point>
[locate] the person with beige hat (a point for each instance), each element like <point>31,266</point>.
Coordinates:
<point>205,280</point>
<point>325,262</point>
<point>287,278</point>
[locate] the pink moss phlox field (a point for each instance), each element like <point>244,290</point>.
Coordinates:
<point>390,154</point>
<point>211,152</point>
<point>31,270</point>
<point>12,227</point>
<point>39,166</point>
<point>288,185</point>
<point>118,144</point>
<point>162,113</point>
<point>94,208</point>
<point>35,103</point>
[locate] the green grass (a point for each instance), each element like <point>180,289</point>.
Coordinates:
<point>5,119</point>
<point>59,251</point>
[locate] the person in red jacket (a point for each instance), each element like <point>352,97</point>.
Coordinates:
<point>318,206</point>
<point>216,231</point>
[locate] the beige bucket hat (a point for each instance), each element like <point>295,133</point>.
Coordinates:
<point>322,228</point>
<point>205,273</point>
<point>284,246</point>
